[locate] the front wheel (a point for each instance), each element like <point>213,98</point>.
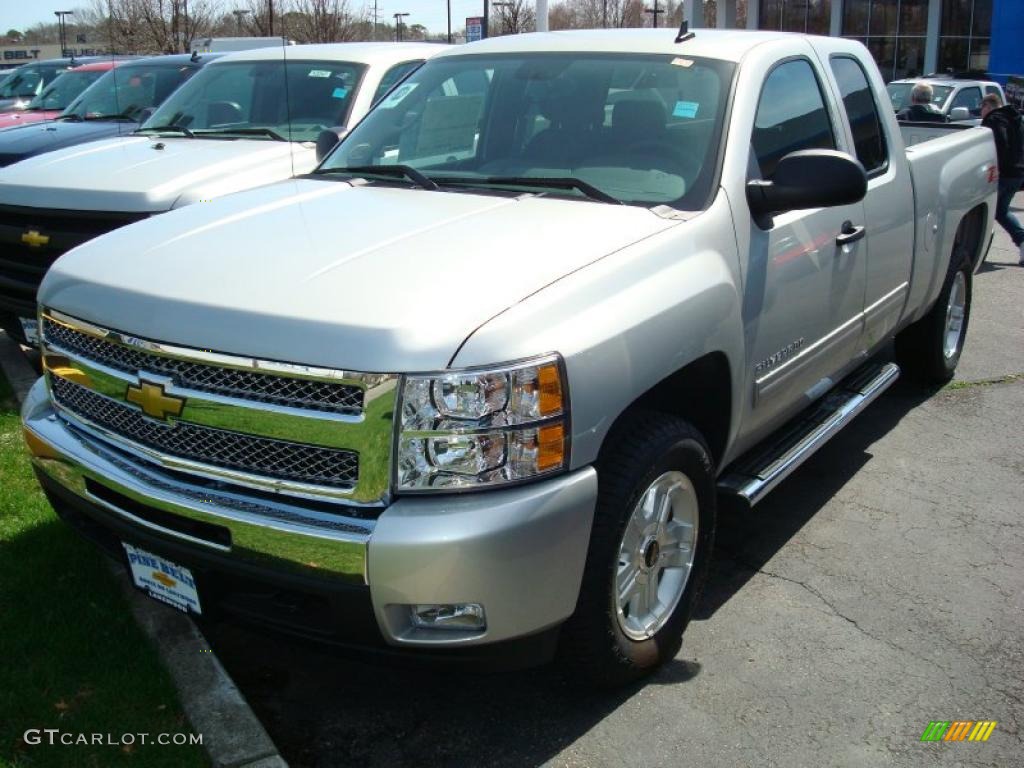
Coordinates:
<point>649,550</point>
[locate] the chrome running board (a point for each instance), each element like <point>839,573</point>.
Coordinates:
<point>750,480</point>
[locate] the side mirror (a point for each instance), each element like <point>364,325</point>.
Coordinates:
<point>959,113</point>
<point>809,178</point>
<point>326,141</point>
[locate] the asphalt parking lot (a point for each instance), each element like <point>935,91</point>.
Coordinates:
<point>879,588</point>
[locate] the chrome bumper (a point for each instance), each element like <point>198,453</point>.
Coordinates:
<point>519,552</point>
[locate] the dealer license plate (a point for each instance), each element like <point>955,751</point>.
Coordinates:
<point>163,580</point>
<point>30,327</point>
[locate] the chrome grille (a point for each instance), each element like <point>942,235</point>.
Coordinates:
<point>308,394</point>
<point>267,457</point>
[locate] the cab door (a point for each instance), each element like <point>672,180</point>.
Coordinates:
<point>804,290</point>
<point>889,200</point>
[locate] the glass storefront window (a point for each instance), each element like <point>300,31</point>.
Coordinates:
<point>893,30</point>
<point>810,16</point>
<point>964,35</point>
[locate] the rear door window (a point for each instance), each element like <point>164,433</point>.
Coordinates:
<point>865,124</point>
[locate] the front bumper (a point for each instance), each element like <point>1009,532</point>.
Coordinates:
<point>519,552</point>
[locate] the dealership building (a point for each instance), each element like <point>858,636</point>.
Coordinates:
<point>906,37</point>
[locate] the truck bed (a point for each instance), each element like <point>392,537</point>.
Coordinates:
<point>950,168</point>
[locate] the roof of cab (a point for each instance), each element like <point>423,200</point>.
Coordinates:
<point>173,59</point>
<point>98,66</point>
<point>726,44</point>
<point>363,53</point>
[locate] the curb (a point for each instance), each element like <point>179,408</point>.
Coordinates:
<point>233,737</point>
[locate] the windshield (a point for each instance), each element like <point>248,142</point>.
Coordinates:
<point>639,128</point>
<point>26,82</point>
<point>899,94</point>
<point>127,91</point>
<point>62,91</point>
<point>246,97</point>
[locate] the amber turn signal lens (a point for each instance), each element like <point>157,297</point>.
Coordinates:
<point>550,447</point>
<point>550,390</point>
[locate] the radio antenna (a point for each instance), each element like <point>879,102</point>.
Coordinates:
<point>288,101</point>
<point>684,31</point>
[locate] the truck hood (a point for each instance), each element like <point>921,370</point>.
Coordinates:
<point>145,174</point>
<point>351,276</point>
<point>26,141</point>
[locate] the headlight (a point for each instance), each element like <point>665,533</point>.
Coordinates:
<point>482,427</point>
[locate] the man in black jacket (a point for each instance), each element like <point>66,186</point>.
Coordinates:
<point>921,109</point>
<point>1008,132</point>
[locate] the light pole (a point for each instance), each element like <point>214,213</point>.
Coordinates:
<point>449,22</point>
<point>504,21</point>
<point>239,14</point>
<point>398,25</point>
<point>63,27</point>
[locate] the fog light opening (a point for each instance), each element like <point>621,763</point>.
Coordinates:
<point>460,617</point>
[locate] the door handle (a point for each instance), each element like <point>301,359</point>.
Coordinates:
<point>849,233</point>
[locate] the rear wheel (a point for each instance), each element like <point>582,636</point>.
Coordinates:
<point>929,350</point>
<point>649,551</point>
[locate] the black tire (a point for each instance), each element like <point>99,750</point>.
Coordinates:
<point>920,348</point>
<point>593,647</point>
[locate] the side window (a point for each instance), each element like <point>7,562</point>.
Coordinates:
<point>868,137</point>
<point>991,89</point>
<point>791,115</point>
<point>392,76</point>
<point>970,98</point>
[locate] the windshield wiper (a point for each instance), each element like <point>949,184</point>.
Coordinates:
<point>122,116</point>
<point>168,129</point>
<point>400,171</point>
<point>268,132</point>
<point>554,182</point>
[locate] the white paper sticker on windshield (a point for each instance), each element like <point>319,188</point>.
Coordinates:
<point>397,95</point>
<point>319,73</point>
<point>682,62</point>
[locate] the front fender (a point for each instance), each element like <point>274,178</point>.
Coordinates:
<point>628,321</point>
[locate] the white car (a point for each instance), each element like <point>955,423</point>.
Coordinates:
<point>227,129</point>
<point>948,94</point>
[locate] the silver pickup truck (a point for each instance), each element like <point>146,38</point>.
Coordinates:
<point>476,387</point>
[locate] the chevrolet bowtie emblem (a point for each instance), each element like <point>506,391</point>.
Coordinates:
<point>34,239</point>
<point>153,401</point>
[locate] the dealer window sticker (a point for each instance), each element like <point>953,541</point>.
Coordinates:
<point>319,73</point>
<point>397,96</point>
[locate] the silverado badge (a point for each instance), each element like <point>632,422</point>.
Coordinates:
<point>153,401</point>
<point>34,238</point>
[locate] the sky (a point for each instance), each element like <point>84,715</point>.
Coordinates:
<point>20,14</point>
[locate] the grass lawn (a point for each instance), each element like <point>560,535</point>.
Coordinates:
<point>72,657</point>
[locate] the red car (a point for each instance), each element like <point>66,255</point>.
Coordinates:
<point>53,99</point>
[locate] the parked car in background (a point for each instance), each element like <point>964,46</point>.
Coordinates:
<point>112,106</point>
<point>56,97</point>
<point>239,123</point>
<point>27,81</point>
<point>474,388</point>
<point>951,95</point>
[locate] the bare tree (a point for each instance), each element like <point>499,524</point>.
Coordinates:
<point>264,17</point>
<point>150,26</point>
<point>513,17</point>
<point>325,21</point>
